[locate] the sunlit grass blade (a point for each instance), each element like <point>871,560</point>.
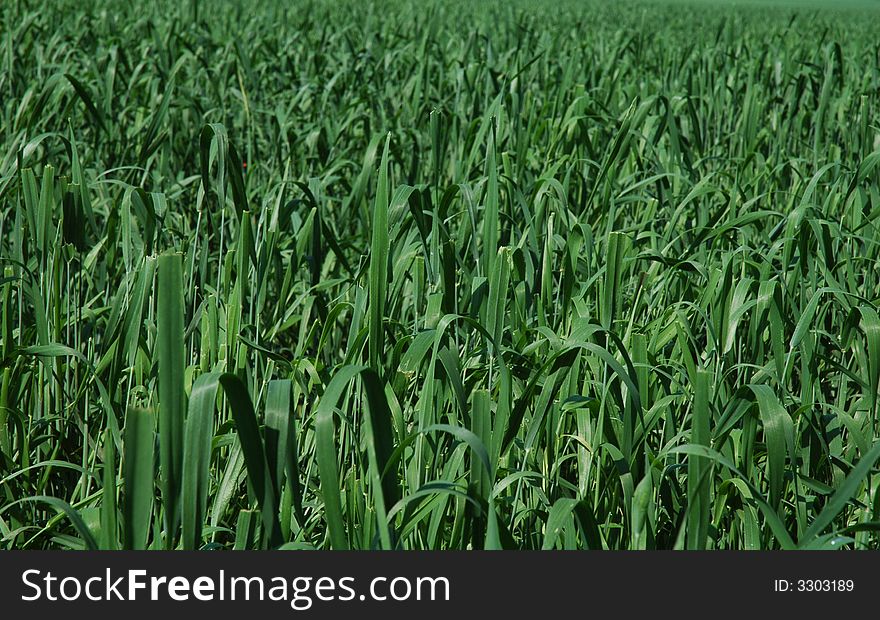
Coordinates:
<point>138,476</point>
<point>171,392</point>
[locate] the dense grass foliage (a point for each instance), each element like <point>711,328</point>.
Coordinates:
<point>438,276</point>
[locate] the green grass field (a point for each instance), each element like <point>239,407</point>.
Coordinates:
<point>794,6</point>
<point>428,275</point>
